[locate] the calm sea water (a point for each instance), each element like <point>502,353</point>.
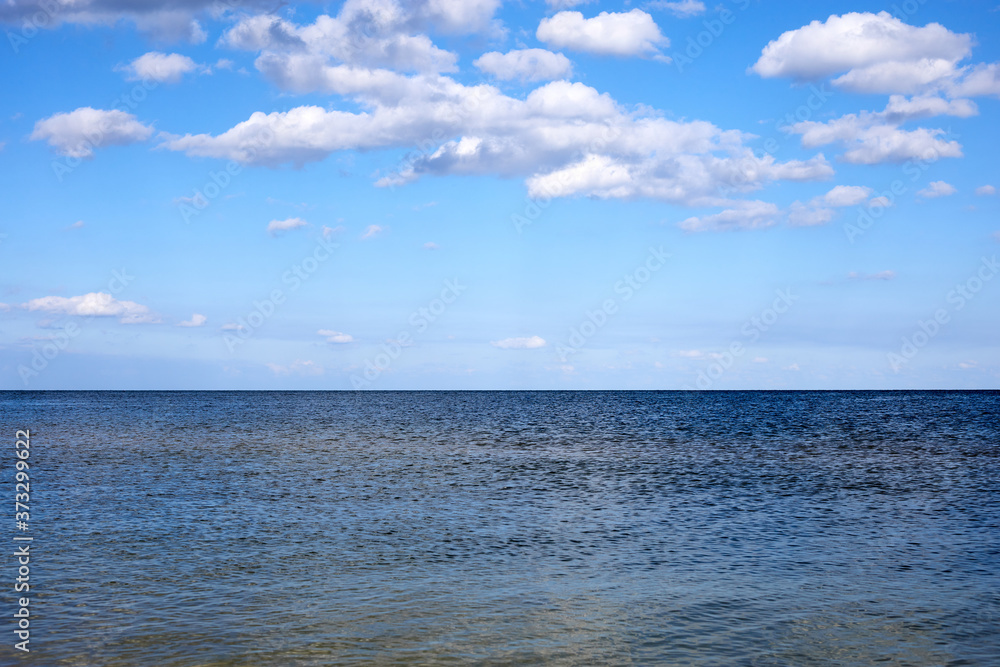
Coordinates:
<point>503,528</point>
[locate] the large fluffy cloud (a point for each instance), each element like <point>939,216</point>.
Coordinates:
<point>868,47</point>
<point>631,33</point>
<point>79,132</point>
<point>566,137</point>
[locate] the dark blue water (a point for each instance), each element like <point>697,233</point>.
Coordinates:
<point>564,528</point>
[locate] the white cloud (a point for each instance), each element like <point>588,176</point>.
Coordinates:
<point>866,46</point>
<point>872,138</point>
<point>430,245</point>
<point>748,215</point>
<point>881,275</point>
<point>335,336</point>
<point>525,64</point>
<point>196,320</point>
<point>986,190</point>
<point>160,67</point>
<point>846,195</point>
<point>79,224</point>
<point>95,304</point>
<point>333,231</point>
<point>4,307</point>
<point>78,133</point>
<point>609,33</point>
<point>937,189</point>
<point>682,9</point>
<point>528,343</point>
<point>804,215</point>
<point>277,226</point>
<point>566,138</point>
<point>371,231</point>
<point>879,202</point>
<point>298,367</point>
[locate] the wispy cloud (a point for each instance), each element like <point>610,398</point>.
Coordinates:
<point>276,227</point>
<point>524,343</point>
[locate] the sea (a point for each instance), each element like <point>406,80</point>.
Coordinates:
<point>505,528</point>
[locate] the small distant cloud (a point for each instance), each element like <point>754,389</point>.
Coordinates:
<point>4,307</point>
<point>937,189</point>
<point>275,227</point>
<point>986,190</point>
<point>682,9</point>
<point>430,245</point>
<point>335,336</point>
<point>690,354</point>
<point>528,343</point>
<point>996,236</point>
<point>232,326</point>
<point>420,207</point>
<point>160,67</point>
<point>760,360</point>
<point>881,201</point>
<point>298,367</point>
<point>223,63</point>
<point>197,320</point>
<point>881,275</point>
<point>846,195</point>
<point>793,367</point>
<point>967,364</point>
<point>94,304</point>
<point>371,232</point>
<point>76,225</point>
<point>331,231</point>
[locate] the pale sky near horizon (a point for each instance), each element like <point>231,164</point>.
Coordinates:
<point>441,194</point>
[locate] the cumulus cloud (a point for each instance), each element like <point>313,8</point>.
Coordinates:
<point>682,9</point>
<point>937,189</point>
<point>196,320</point>
<point>633,33</point>
<point>94,304</point>
<point>986,190</point>
<point>565,139</point>
<point>876,137</point>
<point>371,231</point>
<point>525,343</point>
<point>566,4</point>
<point>78,133</point>
<point>275,227</point>
<point>161,67</point>
<point>335,336</point>
<point>869,48</point>
<point>525,64</point>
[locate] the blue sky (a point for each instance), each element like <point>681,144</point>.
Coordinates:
<point>493,195</point>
